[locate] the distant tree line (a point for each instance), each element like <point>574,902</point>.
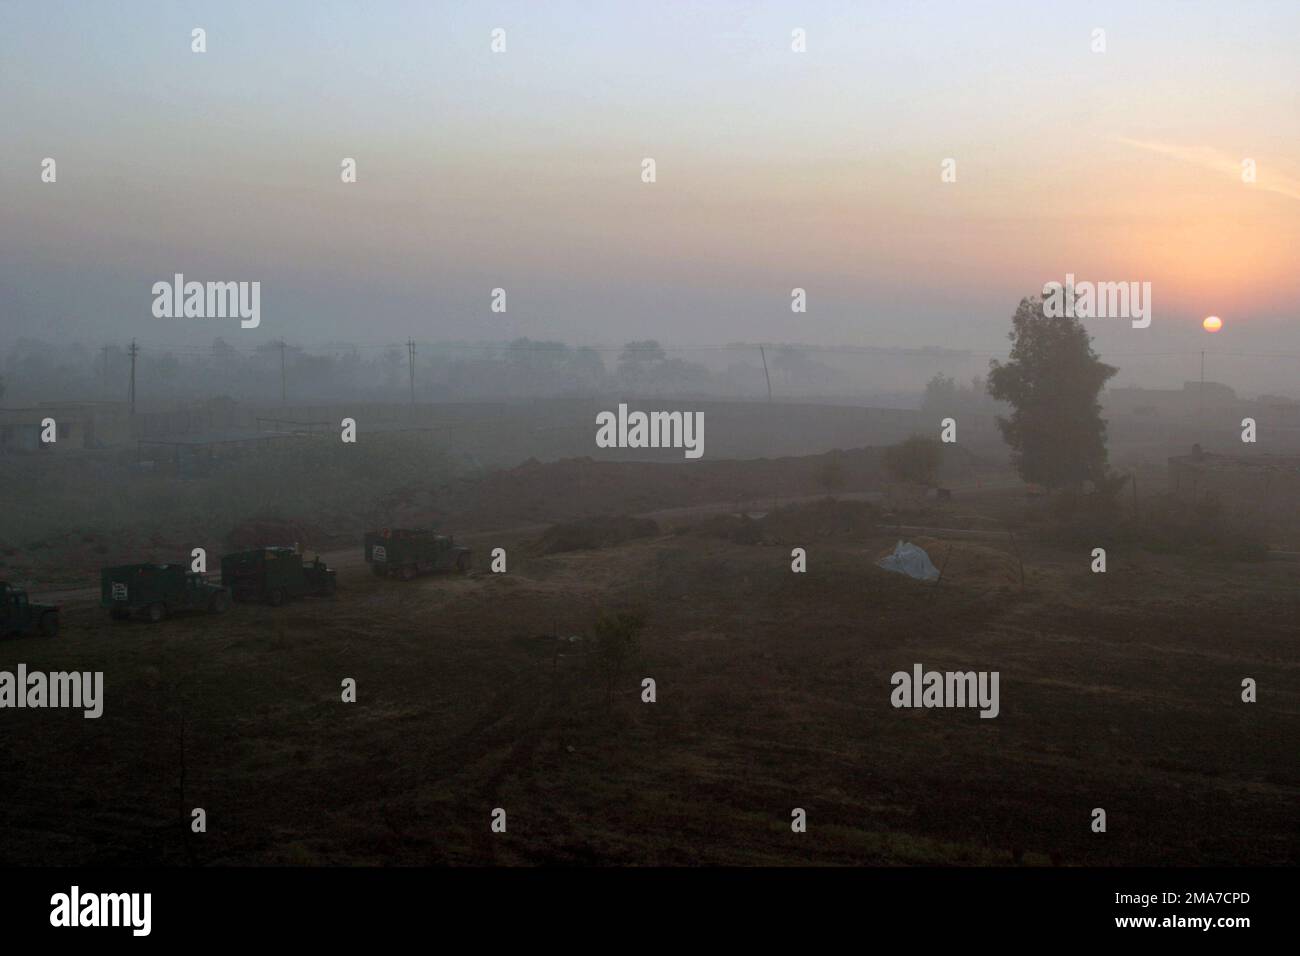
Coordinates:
<point>36,370</point>
<point>523,368</point>
<point>945,397</point>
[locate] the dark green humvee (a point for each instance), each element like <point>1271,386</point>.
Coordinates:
<point>404,553</point>
<point>273,575</point>
<point>157,590</point>
<point>20,616</point>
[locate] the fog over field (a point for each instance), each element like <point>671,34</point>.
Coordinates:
<point>570,435</point>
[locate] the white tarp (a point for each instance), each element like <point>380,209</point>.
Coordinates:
<point>910,560</point>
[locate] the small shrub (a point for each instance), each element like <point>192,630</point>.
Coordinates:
<point>617,645</point>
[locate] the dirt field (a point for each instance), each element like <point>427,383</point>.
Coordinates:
<point>1119,691</point>
<point>325,498</point>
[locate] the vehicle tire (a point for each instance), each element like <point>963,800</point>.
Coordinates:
<point>50,624</point>
<point>220,603</point>
<point>157,612</point>
<point>277,597</point>
<point>462,563</point>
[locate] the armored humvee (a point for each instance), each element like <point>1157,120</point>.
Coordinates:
<point>18,615</point>
<point>274,575</point>
<point>157,590</point>
<point>404,553</point>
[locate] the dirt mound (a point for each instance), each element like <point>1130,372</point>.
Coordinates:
<point>968,564</point>
<point>541,493</point>
<point>742,529</point>
<point>601,531</point>
<point>826,518</point>
<point>574,487</point>
<point>269,531</point>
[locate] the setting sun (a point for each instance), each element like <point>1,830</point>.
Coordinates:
<point>1212,323</point>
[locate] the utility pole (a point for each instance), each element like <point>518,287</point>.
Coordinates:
<point>281,371</point>
<point>410,351</point>
<point>134,350</point>
<point>1201,413</point>
<point>763,352</point>
<point>104,372</point>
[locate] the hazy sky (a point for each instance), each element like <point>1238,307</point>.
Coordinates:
<point>775,169</point>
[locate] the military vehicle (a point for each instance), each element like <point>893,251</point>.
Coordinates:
<point>404,553</point>
<point>156,590</point>
<point>274,575</point>
<point>20,616</point>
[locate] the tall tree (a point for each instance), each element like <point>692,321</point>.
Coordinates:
<point>638,354</point>
<point>1052,380</point>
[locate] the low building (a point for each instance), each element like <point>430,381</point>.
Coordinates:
<point>77,425</point>
<point>1194,398</point>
